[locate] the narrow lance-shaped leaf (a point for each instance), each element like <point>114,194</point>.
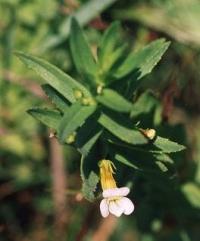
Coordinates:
<point>161,166</point>
<point>56,98</point>
<point>59,80</point>
<point>88,134</point>
<point>167,146</point>
<point>144,60</point>
<point>138,160</point>
<point>109,40</point>
<point>73,118</point>
<point>121,158</point>
<point>115,101</point>
<point>144,104</point>
<point>48,117</point>
<point>158,153</point>
<point>128,135</point>
<point>81,53</point>
<point>106,50</point>
<point>163,158</point>
<point>86,147</point>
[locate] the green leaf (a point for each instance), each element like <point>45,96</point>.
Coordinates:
<point>144,104</point>
<point>48,117</point>
<point>73,118</point>
<point>89,186</point>
<point>121,158</point>
<point>107,48</point>
<point>167,146</point>
<point>81,53</point>
<point>115,101</point>
<point>137,159</point>
<point>192,193</point>
<point>56,98</point>
<point>127,161</point>
<point>159,153</point>
<point>59,80</point>
<point>109,41</point>
<point>106,70</point>
<point>117,128</point>
<point>163,158</point>
<point>87,136</point>
<point>161,166</point>
<point>143,60</point>
<point>91,140</point>
<point>88,170</point>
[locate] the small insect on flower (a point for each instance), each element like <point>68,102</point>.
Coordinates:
<point>115,200</point>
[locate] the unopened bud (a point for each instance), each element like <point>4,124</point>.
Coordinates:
<point>85,101</point>
<point>99,89</point>
<point>88,101</point>
<point>149,133</point>
<point>71,138</point>
<point>78,94</point>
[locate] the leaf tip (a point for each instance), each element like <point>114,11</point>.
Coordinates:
<point>74,22</point>
<point>31,111</point>
<point>18,53</point>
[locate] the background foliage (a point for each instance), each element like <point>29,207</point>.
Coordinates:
<point>167,203</point>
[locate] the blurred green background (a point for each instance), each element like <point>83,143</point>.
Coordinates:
<point>40,184</point>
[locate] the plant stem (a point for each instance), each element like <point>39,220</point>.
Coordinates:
<point>58,190</point>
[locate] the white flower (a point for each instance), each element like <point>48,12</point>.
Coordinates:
<point>115,202</point>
